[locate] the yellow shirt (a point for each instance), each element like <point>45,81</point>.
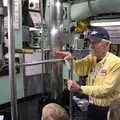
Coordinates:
<point>103,82</point>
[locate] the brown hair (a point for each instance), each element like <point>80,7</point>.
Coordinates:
<point>114,111</point>
<point>53,111</point>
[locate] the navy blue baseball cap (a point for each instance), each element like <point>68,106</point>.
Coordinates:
<point>99,33</point>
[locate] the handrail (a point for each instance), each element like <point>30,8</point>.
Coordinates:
<point>41,62</point>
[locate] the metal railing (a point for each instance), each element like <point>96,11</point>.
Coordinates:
<point>41,62</point>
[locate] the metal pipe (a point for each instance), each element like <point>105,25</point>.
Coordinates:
<point>1,3</point>
<point>41,62</point>
<point>56,20</point>
<point>53,13</point>
<point>53,25</point>
<point>11,46</point>
<point>56,78</point>
<point>71,94</point>
<point>41,10</point>
<point>71,70</point>
<point>1,31</point>
<point>59,7</point>
<point>42,41</point>
<point>69,17</point>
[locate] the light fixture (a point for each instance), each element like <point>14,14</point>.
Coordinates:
<point>32,29</point>
<point>5,2</point>
<point>54,31</point>
<point>58,4</point>
<point>107,22</point>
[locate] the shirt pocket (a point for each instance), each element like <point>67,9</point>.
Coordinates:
<point>100,79</point>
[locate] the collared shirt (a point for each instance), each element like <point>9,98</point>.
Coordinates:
<point>103,82</point>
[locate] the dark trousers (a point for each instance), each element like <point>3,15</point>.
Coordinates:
<point>97,112</point>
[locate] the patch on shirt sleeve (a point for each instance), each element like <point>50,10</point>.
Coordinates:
<point>103,72</point>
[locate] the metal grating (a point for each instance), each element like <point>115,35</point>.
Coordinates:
<point>114,32</point>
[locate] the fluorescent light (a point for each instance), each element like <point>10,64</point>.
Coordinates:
<point>111,22</point>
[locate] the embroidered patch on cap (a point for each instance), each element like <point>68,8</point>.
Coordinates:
<point>94,32</point>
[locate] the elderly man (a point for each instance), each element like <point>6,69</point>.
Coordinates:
<point>103,70</point>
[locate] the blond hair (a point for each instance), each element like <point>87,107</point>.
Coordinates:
<point>107,41</point>
<point>53,111</point>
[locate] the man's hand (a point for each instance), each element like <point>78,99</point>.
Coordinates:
<point>73,86</point>
<point>63,55</point>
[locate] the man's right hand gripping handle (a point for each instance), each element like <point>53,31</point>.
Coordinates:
<point>63,55</point>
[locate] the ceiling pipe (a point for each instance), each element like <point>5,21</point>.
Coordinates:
<point>87,8</point>
<point>80,11</point>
